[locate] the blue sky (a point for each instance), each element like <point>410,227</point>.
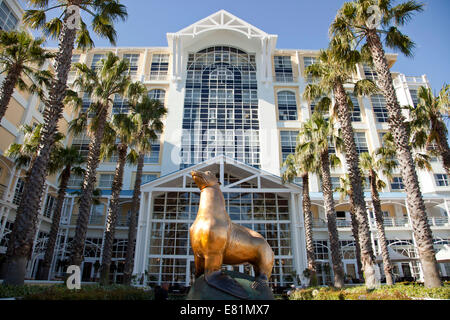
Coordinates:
<point>299,24</point>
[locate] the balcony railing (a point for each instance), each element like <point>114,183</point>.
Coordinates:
<point>343,223</point>
<point>3,189</point>
<point>439,221</point>
<point>409,79</point>
<point>156,77</point>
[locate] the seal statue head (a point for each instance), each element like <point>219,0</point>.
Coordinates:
<point>204,179</point>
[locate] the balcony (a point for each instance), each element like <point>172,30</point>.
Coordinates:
<point>439,221</point>
<point>3,189</point>
<point>401,78</point>
<point>156,78</point>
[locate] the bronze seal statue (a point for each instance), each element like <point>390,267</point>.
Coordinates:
<point>216,240</point>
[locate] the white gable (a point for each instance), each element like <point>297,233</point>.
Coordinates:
<point>222,20</point>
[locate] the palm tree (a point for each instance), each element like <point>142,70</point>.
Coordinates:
<point>315,137</point>
<point>123,131</point>
<point>148,114</point>
<point>70,160</point>
<point>345,190</point>
<point>371,165</point>
<point>351,26</point>
<point>296,165</point>
<point>332,73</point>
<point>101,85</point>
<point>104,13</point>
<point>21,58</point>
<point>24,154</point>
<point>427,123</point>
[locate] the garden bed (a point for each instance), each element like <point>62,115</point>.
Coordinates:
<point>60,292</point>
<point>397,292</point>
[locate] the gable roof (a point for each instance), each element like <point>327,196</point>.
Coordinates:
<point>231,164</point>
<point>223,20</point>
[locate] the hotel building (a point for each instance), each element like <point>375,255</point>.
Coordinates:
<point>235,107</point>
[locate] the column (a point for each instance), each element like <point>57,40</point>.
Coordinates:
<point>414,240</point>
<point>147,211</point>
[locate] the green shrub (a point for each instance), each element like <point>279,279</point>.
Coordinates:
<point>94,292</point>
<point>403,291</point>
<point>16,291</point>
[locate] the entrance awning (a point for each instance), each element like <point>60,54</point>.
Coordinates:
<point>395,257</point>
<point>443,255</point>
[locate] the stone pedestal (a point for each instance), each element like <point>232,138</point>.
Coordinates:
<point>202,290</point>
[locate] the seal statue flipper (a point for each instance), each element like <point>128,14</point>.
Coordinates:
<point>225,283</point>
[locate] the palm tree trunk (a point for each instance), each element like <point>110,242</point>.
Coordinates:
<point>87,189</point>
<point>335,247</point>
<point>129,258</point>
<point>387,265</point>
<point>355,234</point>
<point>416,206</point>
<point>309,231</point>
<point>359,203</point>
<point>49,251</point>
<point>7,89</point>
<point>24,230</point>
<point>113,213</point>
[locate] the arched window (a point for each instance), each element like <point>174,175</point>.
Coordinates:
<point>157,94</point>
<point>287,106</point>
<point>221,107</point>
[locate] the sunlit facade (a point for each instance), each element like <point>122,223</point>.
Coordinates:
<point>235,107</point>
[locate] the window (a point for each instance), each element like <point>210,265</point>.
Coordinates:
<point>307,61</point>
<point>287,106</point>
<point>75,181</point>
<point>397,184</point>
<point>221,101</point>
<point>340,215</point>
<point>283,69</point>
<point>288,143</point>
<point>157,94</point>
<point>369,73</point>
<point>86,105</point>
<point>49,206</point>
<point>221,74</point>
<point>441,180</point>
<point>159,67</point>
<point>414,97</point>
<point>81,142</point>
<point>106,181</point>
<point>120,105</point>
<point>73,72</point>
<point>133,60</point>
<point>153,156</point>
<point>146,178</point>
<point>313,105</point>
<point>96,60</point>
<point>356,113</point>
<point>321,250</point>
<point>379,108</point>
<point>335,183</point>
<point>96,214</point>
<point>19,191</point>
<point>221,95</point>
<point>361,142</point>
<point>8,21</point>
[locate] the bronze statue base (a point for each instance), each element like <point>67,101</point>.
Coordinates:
<point>229,285</point>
